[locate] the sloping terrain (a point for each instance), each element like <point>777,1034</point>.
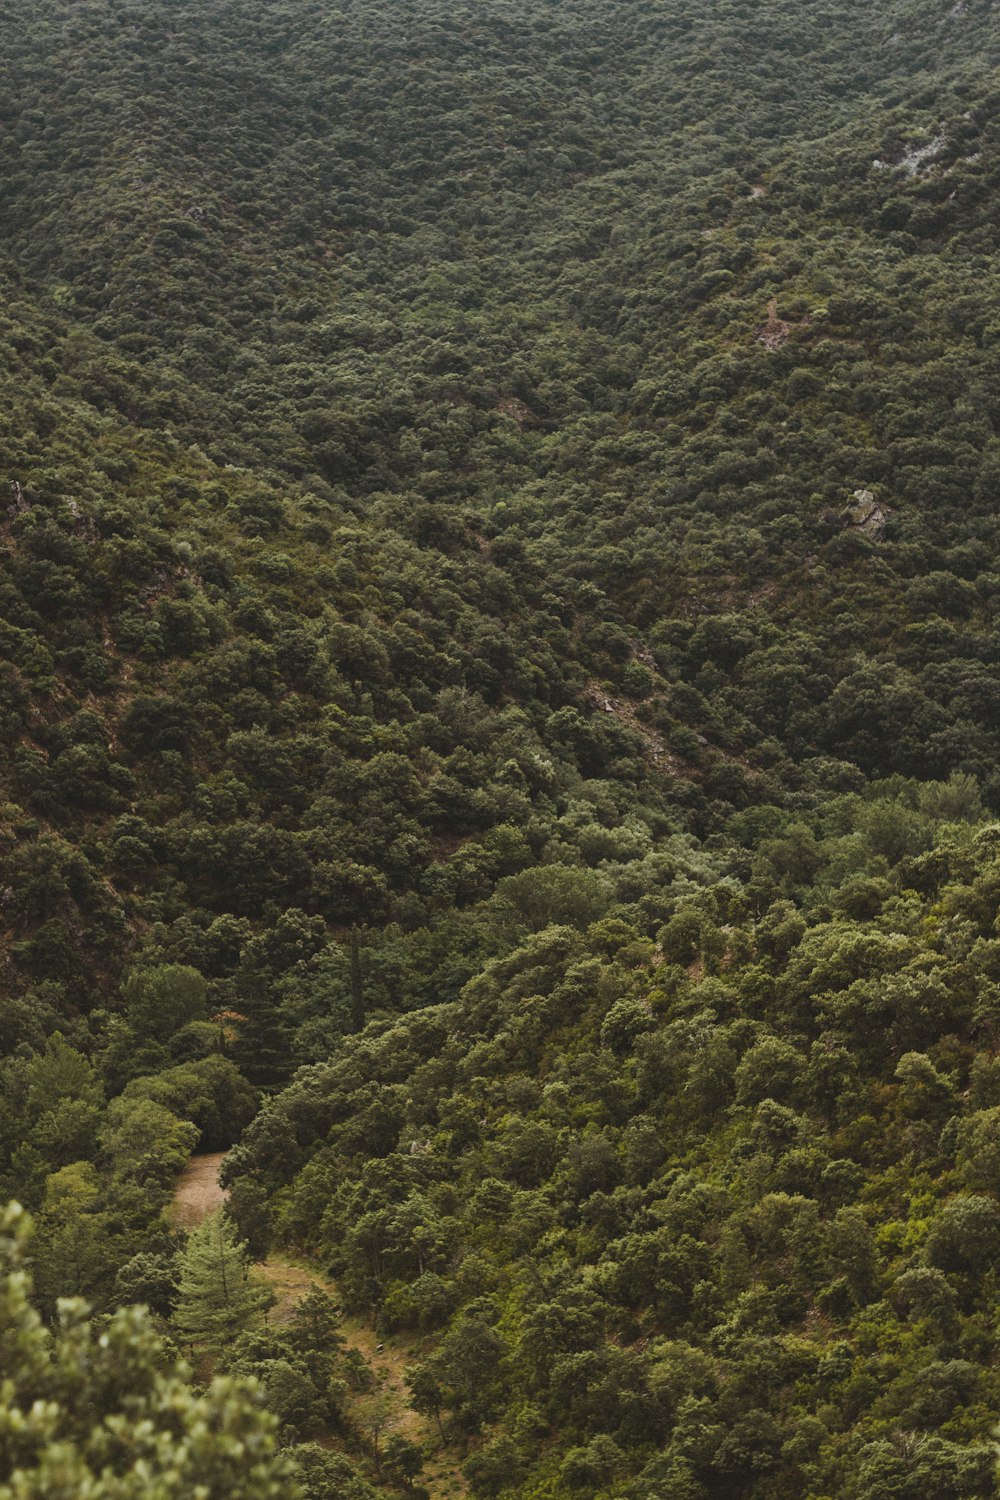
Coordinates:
<point>498,521</point>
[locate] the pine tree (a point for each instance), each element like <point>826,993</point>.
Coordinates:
<point>357,984</point>
<point>263,1049</point>
<point>217,1297</point>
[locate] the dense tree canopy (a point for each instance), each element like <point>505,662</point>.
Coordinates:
<point>500,691</point>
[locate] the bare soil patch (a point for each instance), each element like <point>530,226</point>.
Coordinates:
<point>198,1191</point>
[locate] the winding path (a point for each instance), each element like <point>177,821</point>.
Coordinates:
<point>198,1193</point>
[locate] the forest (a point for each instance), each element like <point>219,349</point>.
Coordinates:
<point>500,702</point>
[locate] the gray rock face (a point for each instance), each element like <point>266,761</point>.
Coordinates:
<point>867,514</point>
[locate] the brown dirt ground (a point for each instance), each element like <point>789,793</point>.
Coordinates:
<point>197,1194</point>
<point>388,1357</point>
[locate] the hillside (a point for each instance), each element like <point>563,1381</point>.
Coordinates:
<point>500,687</point>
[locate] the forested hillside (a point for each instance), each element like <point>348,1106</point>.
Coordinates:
<point>500,687</point>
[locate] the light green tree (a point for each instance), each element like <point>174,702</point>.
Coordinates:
<point>102,1413</point>
<point>217,1296</point>
<point>143,1142</point>
<point>71,1250</point>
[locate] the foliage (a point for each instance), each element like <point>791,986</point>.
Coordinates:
<point>105,1412</point>
<point>498,618</point>
<point>735,1222</point>
<point>217,1297</point>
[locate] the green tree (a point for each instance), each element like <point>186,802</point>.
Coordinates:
<point>357,984</point>
<point>402,1460</point>
<point>217,1297</point>
<point>102,1411</point>
<point>427,1396</point>
<point>263,1046</point>
<point>145,1143</point>
<point>160,1001</point>
<point>71,1258</point>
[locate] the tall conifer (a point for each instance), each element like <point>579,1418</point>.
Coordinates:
<point>217,1296</point>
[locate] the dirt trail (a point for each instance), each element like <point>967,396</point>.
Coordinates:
<point>197,1194</point>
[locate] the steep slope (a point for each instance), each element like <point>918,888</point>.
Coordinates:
<point>513,432</point>
<point>715,1221</point>
<point>479,471</point>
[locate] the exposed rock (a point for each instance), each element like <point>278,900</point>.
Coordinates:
<point>868,514</point>
<point>775,331</point>
<point>912,159</point>
<point>662,757</point>
<point>516,409</point>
